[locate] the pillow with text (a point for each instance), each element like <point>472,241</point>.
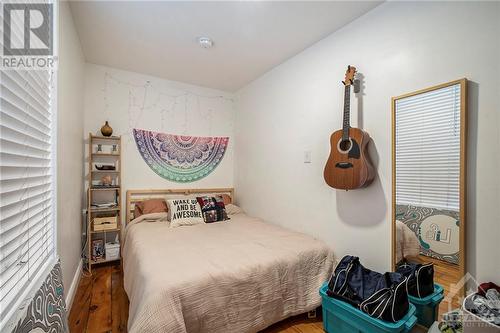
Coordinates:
<point>184,212</point>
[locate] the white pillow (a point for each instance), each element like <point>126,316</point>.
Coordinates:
<point>184,212</point>
<point>233,209</point>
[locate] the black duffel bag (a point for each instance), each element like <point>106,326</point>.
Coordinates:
<point>381,296</point>
<point>420,278</point>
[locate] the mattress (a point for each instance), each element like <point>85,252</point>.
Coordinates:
<point>241,275</point>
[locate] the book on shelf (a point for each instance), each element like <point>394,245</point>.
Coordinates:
<point>104,205</point>
<point>105,186</point>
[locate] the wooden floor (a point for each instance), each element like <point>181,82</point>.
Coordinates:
<point>101,305</point>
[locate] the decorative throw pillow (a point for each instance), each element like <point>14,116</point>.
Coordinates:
<point>226,198</point>
<point>150,206</point>
<point>213,209</point>
<point>184,212</point>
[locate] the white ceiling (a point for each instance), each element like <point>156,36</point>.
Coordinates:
<point>160,38</point>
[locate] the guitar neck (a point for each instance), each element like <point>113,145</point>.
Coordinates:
<point>347,113</point>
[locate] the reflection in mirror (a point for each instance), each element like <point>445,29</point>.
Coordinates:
<point>429,182</point>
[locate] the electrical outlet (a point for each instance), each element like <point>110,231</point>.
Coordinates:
<point>307,156</point>
<point>311,314</point>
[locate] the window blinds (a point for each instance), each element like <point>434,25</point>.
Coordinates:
<point>428,149</point>
<point>27,234</point>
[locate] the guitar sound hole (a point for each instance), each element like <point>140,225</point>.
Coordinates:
<point>345,145</point>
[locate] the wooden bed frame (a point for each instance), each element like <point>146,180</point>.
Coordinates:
<point>134,196</point>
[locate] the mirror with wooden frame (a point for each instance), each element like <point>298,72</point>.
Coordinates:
<point>429,132</point>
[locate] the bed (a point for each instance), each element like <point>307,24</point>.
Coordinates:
<point>407,244</point>
<point>240,275</point>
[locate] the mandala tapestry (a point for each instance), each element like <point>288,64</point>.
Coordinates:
<point>180,158</point>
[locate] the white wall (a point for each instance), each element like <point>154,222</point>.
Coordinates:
<point>398,47</point>
<point>69,145</point>
<point>169,107</point>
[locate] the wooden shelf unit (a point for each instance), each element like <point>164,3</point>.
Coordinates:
<point>104,210</point>
<point>105,188</point>
<point>101,261</point>
<point>104,231</point>
<point>115,190</point>
<point>105,154</point>
<point>104,138</point>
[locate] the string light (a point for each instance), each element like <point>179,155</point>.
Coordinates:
<point>167,103</point>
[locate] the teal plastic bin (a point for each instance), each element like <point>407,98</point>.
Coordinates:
<point>341,317</point>
<point>428,307</point>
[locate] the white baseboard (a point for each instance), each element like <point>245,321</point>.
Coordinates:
<point>70,295</point>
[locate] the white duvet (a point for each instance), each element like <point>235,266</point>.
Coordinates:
<point>236,276</point>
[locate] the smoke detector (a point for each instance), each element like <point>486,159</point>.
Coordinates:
<point>205,42</point>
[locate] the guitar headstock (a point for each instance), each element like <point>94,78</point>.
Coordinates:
<point>349,75</point>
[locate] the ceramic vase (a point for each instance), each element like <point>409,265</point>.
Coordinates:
<point>106,130</point>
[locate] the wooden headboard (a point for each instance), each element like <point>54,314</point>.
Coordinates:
<point>134,196</point>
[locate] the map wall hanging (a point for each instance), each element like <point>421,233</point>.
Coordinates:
<point>180,158</point>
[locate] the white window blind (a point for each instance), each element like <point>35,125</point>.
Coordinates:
<point>428,149</point>
<point>27,188</point>
<point>27,228</point>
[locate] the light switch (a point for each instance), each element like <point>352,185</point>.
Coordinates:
<point>307,156</point>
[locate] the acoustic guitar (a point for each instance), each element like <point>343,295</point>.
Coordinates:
<point>348,166</point>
